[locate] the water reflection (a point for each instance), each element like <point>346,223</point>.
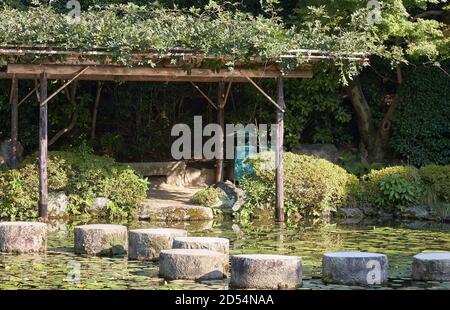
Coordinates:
<point>57,269</point>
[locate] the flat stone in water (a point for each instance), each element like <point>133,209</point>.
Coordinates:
<point>101,239</point>
<point>433,266</point>
<point>146,244</point>
<point>23,237</point>
<point>265,271</point>
<point>192,264</point>
<point>221,245</point>
<point>173,213</point>
<point>355,268</point>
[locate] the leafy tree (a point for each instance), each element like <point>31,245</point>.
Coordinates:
<point>409,31</point>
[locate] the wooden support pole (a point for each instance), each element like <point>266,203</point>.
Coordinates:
<point>43,152</point>
<point>279,204</point>
<point>14,121</point>
<point>221,122</point>
<point>203,94</point>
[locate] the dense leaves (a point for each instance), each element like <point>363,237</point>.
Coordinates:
<point>421,132</point>
<point>312,186</point>
<point>82,176</point>
<point>123,29</point>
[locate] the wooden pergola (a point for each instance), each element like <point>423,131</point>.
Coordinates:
<point>46,63</point>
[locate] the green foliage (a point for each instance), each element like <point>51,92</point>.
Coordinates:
<point>208,197</point>
<point>393,187</point>
<point>421,126</point>
<point>356,165</point>
<point>397,191</point>
<point>311,185</point>
<point>82,176</point>
<point>438,179</point>
<point>124,29</point>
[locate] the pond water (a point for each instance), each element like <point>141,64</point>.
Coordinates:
<point>399,241</point>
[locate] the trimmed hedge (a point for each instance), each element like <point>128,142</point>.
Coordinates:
<point>438,178</point>
<point>402,186</point>
<point>392,187</point>
<point>312,185</point>
<point>83,177</point>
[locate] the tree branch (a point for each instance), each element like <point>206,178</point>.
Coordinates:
<point>74,118</point>
<point>95,112</point>
<point>431,13</point>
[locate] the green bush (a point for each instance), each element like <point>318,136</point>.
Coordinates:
<point>208,197</point>
<point>82,176</point>
<point>393,187</point>
<point>438,179</point>
<point>421,125</point>
<point>311,185</point>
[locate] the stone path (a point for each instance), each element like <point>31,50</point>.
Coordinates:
<point>172,203</point>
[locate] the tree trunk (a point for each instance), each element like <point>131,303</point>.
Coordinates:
<point>364,120</point>
<point>375,140</point>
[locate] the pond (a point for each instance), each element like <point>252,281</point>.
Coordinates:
<point>57,269</point>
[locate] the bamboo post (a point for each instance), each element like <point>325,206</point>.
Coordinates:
<point>279,174</point>
<point>43,144</point>
<point>221,122</point>
<point>14,120</point>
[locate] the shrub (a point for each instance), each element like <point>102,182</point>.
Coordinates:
<point>208,197</point>
<point>421,125</point>
<point>393,187</point>
<point>311,185</point>
<point>438,179</point>
<point>82,176</point>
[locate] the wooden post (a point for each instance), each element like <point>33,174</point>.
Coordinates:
<point>221,122</point>
<point>279,204</point>
<point>14,120</point>
<point>43,152</point>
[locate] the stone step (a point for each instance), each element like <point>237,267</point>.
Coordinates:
<point>101,239</point>
<point>432,266</point>
<point>192,264</point>
<point>150,210</point>
<point>23,237</point>
<point>146,244</point>
<point>221,245</point>
<point>355,268</point>
<point>264,271</point>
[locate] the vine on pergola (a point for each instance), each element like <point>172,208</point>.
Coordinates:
<point>231,37</point>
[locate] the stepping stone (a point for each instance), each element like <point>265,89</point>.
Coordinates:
<point>433,266</point>
<point>101,239</point>
<point>165,212</point>
<point>355,268</point>
<point>23,237</point>
<point>262,271</point>
<point>146,244</point>
<point>192,264</point>
<point>221,245</point>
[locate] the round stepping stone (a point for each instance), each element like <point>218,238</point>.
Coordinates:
<point>433,266</point>
<point>221,245</point>
<point>192,264</point>
<point>355,268</point>
<point>101,239</point>
<point>23,237</point>
<point>146,244</point>
<point>262,271</point>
